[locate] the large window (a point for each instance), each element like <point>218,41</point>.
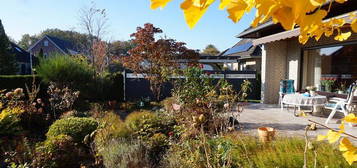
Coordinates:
<point>330,68</point>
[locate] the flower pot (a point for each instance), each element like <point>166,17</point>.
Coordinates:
<point>266,134</point>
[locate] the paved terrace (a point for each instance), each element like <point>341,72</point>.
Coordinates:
<point>257,115</point>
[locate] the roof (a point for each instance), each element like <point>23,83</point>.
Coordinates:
<point>291,33</point>
<point>65,46</point>
<point>21,54</point>
<point>244,48</point>
<point>269,27</point>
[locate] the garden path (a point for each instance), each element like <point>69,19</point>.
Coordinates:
<point>257,115</point>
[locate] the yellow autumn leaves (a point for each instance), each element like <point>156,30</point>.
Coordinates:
<point>306,14</point>
<point>345,145</point>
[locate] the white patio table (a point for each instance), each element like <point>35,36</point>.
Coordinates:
<point>298,100</point>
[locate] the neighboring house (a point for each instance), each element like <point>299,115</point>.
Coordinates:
<point>215,62</point>
<point>23,58</point>
<point>284,58</point>
<point>249,56</point>
<point>50,45</point>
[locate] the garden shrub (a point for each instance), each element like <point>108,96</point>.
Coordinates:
<point>79,75</point>
<point>59,151</point>
<point>120,153</point>
<point>75,127</point>
<point>111,127</point>
<point>155,131</point>
<point>65,70</point>
<point>145,124</point>
<point>10,121</point>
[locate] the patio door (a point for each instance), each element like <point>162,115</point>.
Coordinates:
<point>330,65</point>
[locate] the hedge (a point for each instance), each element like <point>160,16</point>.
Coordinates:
<point>10,82</point>
<point>110,89</point>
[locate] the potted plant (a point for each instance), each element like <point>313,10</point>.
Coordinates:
<point>328,83</point>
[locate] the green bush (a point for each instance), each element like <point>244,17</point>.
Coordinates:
<point>75,127</point>
<point>65,70</point>
<point>59,151</point>
<point>10,121</point>
<point>145,124</point>
<point>79,75</point>
<point>112,127</point>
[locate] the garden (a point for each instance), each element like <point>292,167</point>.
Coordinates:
<point>193,128</point>
<point>71,113</point>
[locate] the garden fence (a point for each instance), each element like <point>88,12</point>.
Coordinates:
<point>136,87</point>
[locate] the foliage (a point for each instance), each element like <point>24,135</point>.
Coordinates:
<point>125,154</point>
<point>10,112</point>
<point>100,53</point>
<point>8,64</point>
<point>111,127</point>
<point>237,150</point>
<point>59,151</point>
<point>328,83</point>
<point>307,14</point>
<point>156,59</point>
<point>65,71</point>
<point>10,82</point>
<point>106,86</point>
<point>61,99</point>
<point>121,48</point>
<point>75,127</point>
<point>145,124</point>
<point>10,121</point>
<point>211,50</point>
<point>345,145</point>
<point>149,132</point>
<point>16,111</point>
<point>19,153</point>
<point>201,103</point>
<point>195,85</point>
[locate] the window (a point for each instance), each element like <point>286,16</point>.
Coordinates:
<point>337,64</point>
<point>45,43</point>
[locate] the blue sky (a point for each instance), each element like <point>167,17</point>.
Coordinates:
<point>32,16</point>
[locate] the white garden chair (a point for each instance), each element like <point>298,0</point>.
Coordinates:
<point>342,105</point>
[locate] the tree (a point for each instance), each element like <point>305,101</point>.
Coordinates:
<point>210,50</point>
<point>156,59</point>
<point>307,14</point>
<point>8,63</point>
<point>95,22</point>
<point>121,48</point>
<point>100,52</point>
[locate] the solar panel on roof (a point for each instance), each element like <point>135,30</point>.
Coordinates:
<point>239,48</point>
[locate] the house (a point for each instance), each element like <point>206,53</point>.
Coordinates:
<point>283,57</point>
<point>248,56</point>
<point>23,58</point>
<point>48,45</point>
<point>216,62</point>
